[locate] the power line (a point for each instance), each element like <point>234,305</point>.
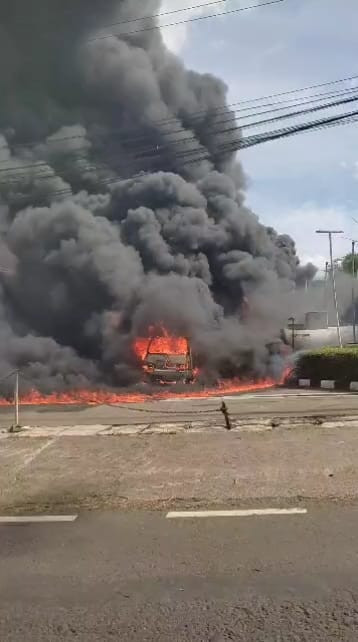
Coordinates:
<point>244,143</point>
<point>186,21</point>
<point>152,16</point>
<point>181,141</point>
<point>164,13</point>
<point>231,118</point>
<point>258,139</point>
<point>276,95</point>
<point>265,121</point>
<point>168,145</point>
<point>210,112</point>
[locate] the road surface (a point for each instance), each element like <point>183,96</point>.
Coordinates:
<point>139,577</point>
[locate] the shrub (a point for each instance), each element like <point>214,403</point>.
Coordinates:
<point>338,364</point>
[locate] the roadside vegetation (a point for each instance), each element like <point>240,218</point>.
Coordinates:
<point>338,364</point>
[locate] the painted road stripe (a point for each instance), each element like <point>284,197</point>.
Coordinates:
<point>236,513</point>
<point>37,519</point>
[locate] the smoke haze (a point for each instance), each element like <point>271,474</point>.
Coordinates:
<point>107,227</point>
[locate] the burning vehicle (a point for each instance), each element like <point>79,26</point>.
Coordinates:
<point>166,359</point>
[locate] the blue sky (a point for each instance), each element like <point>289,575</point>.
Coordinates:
<point>303,182</point>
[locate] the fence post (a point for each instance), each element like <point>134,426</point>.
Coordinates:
<point>224,410</point>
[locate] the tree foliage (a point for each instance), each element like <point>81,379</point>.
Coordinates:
<point>347,264</point>
<point>337,364</point>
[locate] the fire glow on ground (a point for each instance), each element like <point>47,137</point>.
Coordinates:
<point>100,397</point>
<point>165,344</point>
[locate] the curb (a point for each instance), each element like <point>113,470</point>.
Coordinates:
<point>240,425</point>
<point>327,384</point>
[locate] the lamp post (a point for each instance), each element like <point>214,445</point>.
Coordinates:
<point>330,232</point>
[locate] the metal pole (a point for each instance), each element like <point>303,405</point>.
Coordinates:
<point>293,335</point>
<point>353,293</point>
<point>292,319</point>
<point>326,272</point>
<point>16,399</point>
<point>334,290</point>
<point>330,232</point>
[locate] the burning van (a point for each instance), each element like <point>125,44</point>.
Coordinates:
<point>168,359</point>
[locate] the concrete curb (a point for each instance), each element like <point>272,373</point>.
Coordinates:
<point>327,384</point>
<point>243,425</point>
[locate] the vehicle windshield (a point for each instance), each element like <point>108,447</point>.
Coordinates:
<point>166,360</point>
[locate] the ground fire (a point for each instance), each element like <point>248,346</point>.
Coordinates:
<point>164,359</point>
<point>108,397</point>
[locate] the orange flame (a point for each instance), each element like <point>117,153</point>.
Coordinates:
<point>165,343</point>
<point>140,347</point>
<point>99,397</point>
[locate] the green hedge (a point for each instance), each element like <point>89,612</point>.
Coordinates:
<point>338,364</point>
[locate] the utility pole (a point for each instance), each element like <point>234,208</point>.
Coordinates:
<point>353,293</point>
<point>330,232</point>
<point>292,319</point>
<point>326,274</point>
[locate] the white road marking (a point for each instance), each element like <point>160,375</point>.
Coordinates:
<point>37,519</point>
<point>236,513</point>
<point>31,458</point>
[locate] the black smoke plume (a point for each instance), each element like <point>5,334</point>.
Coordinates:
<point>107,227</point>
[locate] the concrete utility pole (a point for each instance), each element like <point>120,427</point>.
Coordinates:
<point>353,292</point>
<point>292,319</point>
<point>325,304</point>
<point>330,232</point>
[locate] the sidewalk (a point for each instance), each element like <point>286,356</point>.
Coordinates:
<point>56,473</point>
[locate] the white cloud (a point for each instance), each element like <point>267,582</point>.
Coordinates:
<point>302,222</point>
<point>175,37</point>
<point>355,171</point>
<point>317,259</point>
<point>302,183</point>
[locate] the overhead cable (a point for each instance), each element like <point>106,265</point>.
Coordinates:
<point>168,145</point>
<point>186,21</point>
<point>211,112</point>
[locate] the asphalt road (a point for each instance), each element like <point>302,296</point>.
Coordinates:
<point>271,402</point>
<point>140,577</point>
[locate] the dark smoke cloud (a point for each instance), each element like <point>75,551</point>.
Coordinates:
<point>105,228</point>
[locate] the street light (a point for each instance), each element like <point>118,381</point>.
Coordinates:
<point>330,232</point>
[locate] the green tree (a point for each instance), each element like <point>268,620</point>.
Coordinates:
<point>347,264</point>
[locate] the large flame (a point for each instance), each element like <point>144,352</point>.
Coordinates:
<point>100,397</point>
<point>163,344</point>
